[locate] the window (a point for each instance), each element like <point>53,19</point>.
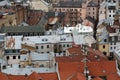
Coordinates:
<point>111,48</point>
<point>114,47</point>
<point>105,40</point>
<point>103,46</point>
<point>14,57</point>
<point>47,46</point>
<point>67,45</point>
<point>7,57</point>
<point>114,43</point>
<point>18,57</point>
<point>63,45</point>
<point>36,47</point>
<point>42,47</point>
<point>14,51</point>
<point>110,11</point>
<point>112,38</point>
<point>93,8</point>
<point>111,43</point>
<point>118,38</point>
<point>109,15</point>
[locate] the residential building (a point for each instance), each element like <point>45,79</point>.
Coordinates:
<point>2,40</point>
<point>83,58</point>
<point>37,60</point>
<point>77,10</point>
<point>108,10</point>
<point>40,5</point>
<point>23,30</point>
<point>102,39</point>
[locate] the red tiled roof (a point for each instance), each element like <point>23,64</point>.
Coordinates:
<point>102,68</point>
<point>3,76</point>
<point>34,76</point>
<point>49,76</point>
<point>113,77</point>
<point>110,29</point>
<point>75,51</point>
<point>72,58</point>
<point>97,78</point>
<point>76,54</point>
<point>66,69</point>
<point>116,22</point>
<point>34,17</point>
<point>16,77</point>
<point>77,76</point>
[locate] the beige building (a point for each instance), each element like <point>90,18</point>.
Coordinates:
<point>40,5</point>
<point>77,10</point>
<point>37,60</point>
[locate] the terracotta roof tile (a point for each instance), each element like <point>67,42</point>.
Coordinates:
<point>34,76</point>
<point>77,76</point>
<point>99,68</point>
<point>49,76</point>
<point>97,78</point>
<point>66,69</point>
<point>113,77</point>
<point>103,68</point>
<point>16,77</point>
<point>110,29</point>
<point>34,17</point>
<point>76,54</point>
<point>3,76</point>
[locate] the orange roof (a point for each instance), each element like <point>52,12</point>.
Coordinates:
<point>113,77</point>
<point>97,78</point>
<point>75,51</point>
<point>69,58</point>
<point>66,69</point>
<point>3,76</point>
<point>103,68</point>
<point>49,76</point>
<point>34,76</point>
<point>16,77</point>
<point>77,76</point>
<point>76,54</point>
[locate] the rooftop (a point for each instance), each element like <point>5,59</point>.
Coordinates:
<point>21,29</point>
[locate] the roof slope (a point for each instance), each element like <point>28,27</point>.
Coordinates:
<point>22,29</point>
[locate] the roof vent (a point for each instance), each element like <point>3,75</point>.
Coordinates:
<point>97,56</point>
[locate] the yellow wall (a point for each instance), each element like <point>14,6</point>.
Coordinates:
<point>106,49</point>
<point>6,20</point>
<point>38,5</point>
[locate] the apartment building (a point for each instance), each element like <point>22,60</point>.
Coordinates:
<point>77,10</point>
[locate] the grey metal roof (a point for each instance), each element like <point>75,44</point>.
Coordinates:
<point>112,7</point>
<point>21,29</point>
<point>92,4</point>
<point>69,4</point>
